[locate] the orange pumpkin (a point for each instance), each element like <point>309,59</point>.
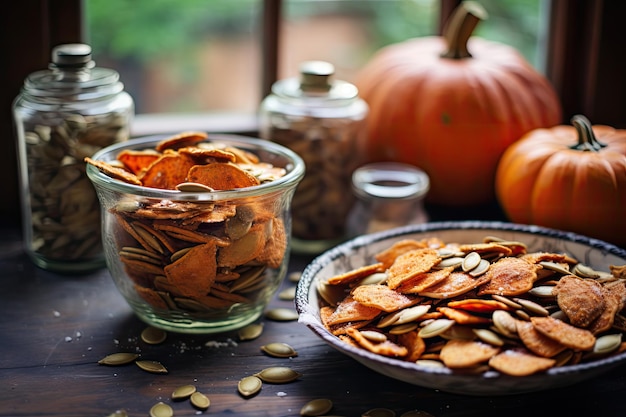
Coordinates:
<point>568,178</point>
<point>452,113</point>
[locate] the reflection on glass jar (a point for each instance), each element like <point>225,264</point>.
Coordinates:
<point>318,118</point>
<point>62,115</point>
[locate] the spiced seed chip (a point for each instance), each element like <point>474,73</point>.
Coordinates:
<point>505,319</point>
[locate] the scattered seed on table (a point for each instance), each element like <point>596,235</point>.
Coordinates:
<point>183,392</point>
<point>250,332</point>
<point>278,375</point>
<point>249,385</point>
<point>294,276</point>
<point>279,350</point>
<point>161,409</point>
<point>116,359</point>
<point>282,314</point>
<point>200,401</point>
<point>287,294</point>
<point>317,407</point>
<point>153,367</point>
<point>153,336</point>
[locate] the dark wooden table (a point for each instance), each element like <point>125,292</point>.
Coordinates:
<point>55,328</point>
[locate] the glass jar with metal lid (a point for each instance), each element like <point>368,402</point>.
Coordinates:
<point>320,119</point>
<point>62,115</point>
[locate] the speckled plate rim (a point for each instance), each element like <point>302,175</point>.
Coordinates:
<point>488,383</point>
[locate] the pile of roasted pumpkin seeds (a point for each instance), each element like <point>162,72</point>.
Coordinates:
<point>490,305</point>
<point>199,258</point>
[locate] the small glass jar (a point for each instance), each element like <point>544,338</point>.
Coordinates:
<point>62,115</point>
<point>389,195</point>
<point>320,119</point>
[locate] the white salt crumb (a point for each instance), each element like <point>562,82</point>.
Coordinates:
<point>68,338</point>
<point>281,394</point>
<point>56,314</point>
<point>216,344</point>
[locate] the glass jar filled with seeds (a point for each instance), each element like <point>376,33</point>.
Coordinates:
<point>319,118</point>
<point>62,115</point>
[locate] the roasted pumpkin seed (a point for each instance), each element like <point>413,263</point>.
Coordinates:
<point>430,363</point>
<point>403,328</point>
<point>249,385</point>
<point>250,332</point>
<point>374,336</point>
<point>435,328</point>
<point>585,271</point>
<point>553,266</point>
<point>161,409</point>
<point>377,278</point>
<point>542,291</point>
<point>488,336</point>
<point>607,343</point>
<point>287,294</point>
<point>450,262</point>
<point>183,392</point>
<point>294,276</point>
<point>317,407</point>
<point>482,267</point>
<point>506,301</point>
<point>153,336</point>
<point>278,375</point>
<point>153,367</point>
<point>200,401</point>
<point>504,323</point>
<point>279,350</point>
<point>532,307</point>
<point>116,359</point>
<point>411,314</point>
<point>470,261</point>
<point>282,314</point>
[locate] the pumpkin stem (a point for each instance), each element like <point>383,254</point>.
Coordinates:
<point>460,27</point>
<point>586,138</point>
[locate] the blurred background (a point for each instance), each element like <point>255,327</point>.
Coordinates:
<point>197,55</point>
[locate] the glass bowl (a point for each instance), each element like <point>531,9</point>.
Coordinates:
<point>198,261</point>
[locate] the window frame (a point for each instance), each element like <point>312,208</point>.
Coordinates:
<point>583,62</point>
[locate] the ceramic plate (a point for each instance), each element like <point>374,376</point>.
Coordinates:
<point>360,251</point>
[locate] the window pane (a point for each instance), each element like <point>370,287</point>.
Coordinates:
<point>522,24</point>
<point>181,56</point>
<point>199,56</point>
<point>348,32</point>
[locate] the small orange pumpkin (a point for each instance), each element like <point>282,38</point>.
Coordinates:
<point>452,113</point>
<point>568,178</point>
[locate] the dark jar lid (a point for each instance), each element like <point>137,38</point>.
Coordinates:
<point>72,75</point>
